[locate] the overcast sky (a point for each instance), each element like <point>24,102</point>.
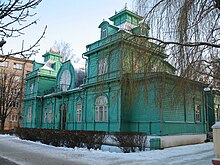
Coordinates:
<point>72,21</point>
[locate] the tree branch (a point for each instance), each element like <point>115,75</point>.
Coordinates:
<point>187,44</point>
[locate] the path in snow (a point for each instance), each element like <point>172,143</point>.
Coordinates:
<point>31,153</point>
<point>4,161</point>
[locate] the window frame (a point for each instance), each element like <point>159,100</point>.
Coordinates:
<point>197,113</point>
<point>18,66</point>
<point>29,114</point>
<point>79,112</point>
<point>31,88</point>
<point>50,115</point>
<point>15,104</point>
<point>103,66</point>
<point>45,116</point>
<point>4,64</point>
<point>17,79</point>
<point>104,32</point>
<point>13,117</point>
<point>101,109</point>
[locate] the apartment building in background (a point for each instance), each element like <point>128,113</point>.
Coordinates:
<point>20,67</point>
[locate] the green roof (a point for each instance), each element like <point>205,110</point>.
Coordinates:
<point>125,11</point>
<point>53,54</point>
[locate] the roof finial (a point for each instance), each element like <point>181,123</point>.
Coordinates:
<point>126,5</point>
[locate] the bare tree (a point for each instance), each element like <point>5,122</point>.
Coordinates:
<point>65,49</point>
<point>10,92</point>
<point>14,19</point>
<point>190,30</point>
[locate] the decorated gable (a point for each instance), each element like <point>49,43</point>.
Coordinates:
<point>65,77</point>
<point>69,77</point>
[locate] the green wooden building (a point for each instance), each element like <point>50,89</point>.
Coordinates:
<point>127,85</point>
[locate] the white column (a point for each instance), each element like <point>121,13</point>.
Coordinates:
<point>216,137</point>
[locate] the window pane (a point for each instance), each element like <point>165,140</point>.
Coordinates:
<point>96,115</point>
<point>29,114</point>
<point>101,113</point>
<point>4,64</point>
<point>79,112</point>
<point>198,112</point>
<point>104,32</point>
<point>31,87</point>
<point>102,66</point>
<point>18,66</point>
<point>101,109</point>
<point>105,113</point>
<point>17,79</point>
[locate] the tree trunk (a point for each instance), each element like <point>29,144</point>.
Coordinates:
<point>2,124</point>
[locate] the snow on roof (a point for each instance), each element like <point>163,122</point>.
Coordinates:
<point>216,125</point>
<point>48,65</point>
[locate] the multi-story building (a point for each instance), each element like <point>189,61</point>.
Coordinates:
<point>128,86</point>
<point>18,68</point>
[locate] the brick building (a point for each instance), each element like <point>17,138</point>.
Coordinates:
<point>19,67</point>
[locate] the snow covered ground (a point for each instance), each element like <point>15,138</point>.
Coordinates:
<point>199,154</point>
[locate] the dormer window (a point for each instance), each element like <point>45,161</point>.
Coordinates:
<point>104,32</point>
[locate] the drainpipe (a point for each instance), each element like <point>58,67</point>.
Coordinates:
<point>87,68</point>
<point>207,89</point>
<point>83,110</point>
<point>61,113</point>
<point>54,111</point>
<point>109,108</point>
<point>86,108</point>
<point>41,111</point>
<point>161,115</point>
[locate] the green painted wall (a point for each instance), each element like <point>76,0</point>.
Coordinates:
<point>112,92</point>
<point>154,106</point>
<point>140,111</point>
<point>132,73</point>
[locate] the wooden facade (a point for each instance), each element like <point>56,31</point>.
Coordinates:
<point>127,85</point>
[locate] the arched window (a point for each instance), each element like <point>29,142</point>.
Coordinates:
<point>101,109</point>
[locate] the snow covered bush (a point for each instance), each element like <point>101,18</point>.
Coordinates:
<point>67,138</point>
<point>93,139</point>
<point>130,141</point>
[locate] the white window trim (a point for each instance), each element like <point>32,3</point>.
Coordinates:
<point>198,113</point>
<point>50,115</point>
<point>79,112</point>
<point>101,109</point>
<point>29,115</point>
<point>13,118</point>
<point>18,66</point>
<point>4,64</point>
<point>104,32</point>
<point>102,66</point>
<point>31,88</point>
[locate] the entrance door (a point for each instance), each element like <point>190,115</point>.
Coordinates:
<point>62,116</point>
